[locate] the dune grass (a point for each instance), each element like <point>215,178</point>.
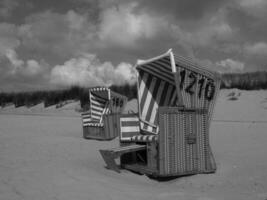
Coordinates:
<point>243,81</point>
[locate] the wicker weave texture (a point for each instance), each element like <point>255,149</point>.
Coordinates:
<point>199,87</point>
<point>93,132</point>
<point>183,142</point>
<point>111,124</point>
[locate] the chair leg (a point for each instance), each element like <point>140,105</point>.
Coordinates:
<point>109,159</point>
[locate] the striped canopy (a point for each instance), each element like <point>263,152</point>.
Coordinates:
<point>99,98</point>
<point>102,101</point>
<point>169,80</point>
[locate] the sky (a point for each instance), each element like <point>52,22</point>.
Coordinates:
<point>54,44</point>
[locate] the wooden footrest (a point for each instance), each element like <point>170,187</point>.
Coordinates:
<point>109,155</point>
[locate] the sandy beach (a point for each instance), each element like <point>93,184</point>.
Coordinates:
<point>43,156</point>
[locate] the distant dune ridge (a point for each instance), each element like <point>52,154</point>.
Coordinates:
<point>244,81</point>
<point>234,104</point>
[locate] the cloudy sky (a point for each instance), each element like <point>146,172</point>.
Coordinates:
<point>56,43</point>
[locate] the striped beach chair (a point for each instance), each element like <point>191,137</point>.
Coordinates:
<point>101,121</point>
<point>176,98</point>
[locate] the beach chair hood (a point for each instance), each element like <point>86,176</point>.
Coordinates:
<point>169,80</point>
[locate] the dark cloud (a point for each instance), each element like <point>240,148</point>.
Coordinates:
<point>44,42</point>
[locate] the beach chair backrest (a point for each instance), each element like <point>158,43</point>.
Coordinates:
<point>156,88</point>
<point>98,106</point>
<point>103,101</point>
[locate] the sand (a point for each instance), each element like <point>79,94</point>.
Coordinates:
<point>43,156</point>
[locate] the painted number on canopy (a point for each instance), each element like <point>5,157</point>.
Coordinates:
<point>209,88</point>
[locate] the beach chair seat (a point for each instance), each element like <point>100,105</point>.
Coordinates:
<point>109,155</point>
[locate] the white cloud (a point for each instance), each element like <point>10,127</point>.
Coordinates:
<point>257,49</point>
<point>76,21</point>
<point>229,65</point>
<point>256,8</point>
<point>210,33</point>
<point>87,70</point>
<point>250,3</point>
<point>33,67</point>
<point>120,25</point>
<point>13,58</point>
<point>8,38</point>
<point>29,68</point>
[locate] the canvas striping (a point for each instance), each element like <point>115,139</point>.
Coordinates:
<point>165,98</point>
<point>98,101</point>
<point>144,138</point>
<point>168,96</point>
<point>153,101</point>
<point>149,129</point>
<point>87,119</point>
<point>94,124</point>
<point>97,110</point>
<point>129,126</point>
<point>98,98</point>
<point>144,93</point>
<point>125,119</point>
<point>154,70</point>
<point>142,75</point>
<point>105,111</point>
<point>148,98</point>
<point>173,99</point>
<point>129,123</point>
<point>130,129</point>
<point>86,114</point>
<point>96,113</point>
<point>164,94</point>
<point>96,116</point>
<point>167,64</point>
<point>160,70</point>
<point>98,105</point>
<point>165,67</point>
<point>157,100</point>
<point>127,135</point>
<point>142,88</point>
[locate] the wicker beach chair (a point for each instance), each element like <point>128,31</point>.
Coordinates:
<point>176,98</point>
<point>101,121</point>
